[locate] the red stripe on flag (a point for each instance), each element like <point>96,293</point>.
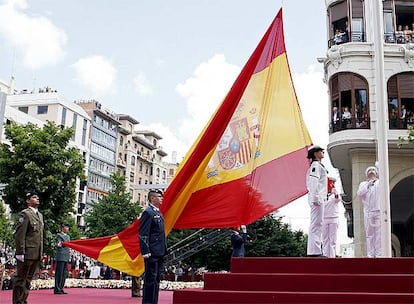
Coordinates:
<point>249,198</point>
<point>90,247</point>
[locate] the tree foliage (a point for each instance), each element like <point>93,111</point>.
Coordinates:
<point>6,234</point>
<point>39,159</point>
<point>410,136</point>
<point>114,212</point>
<point>268,236</point>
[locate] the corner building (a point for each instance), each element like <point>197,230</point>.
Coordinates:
<point>350,74</point>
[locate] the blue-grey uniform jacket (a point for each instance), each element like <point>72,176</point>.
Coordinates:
<point>62,252</point>
<point>152,233</point>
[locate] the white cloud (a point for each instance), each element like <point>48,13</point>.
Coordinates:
<point>169,142</point>
<point>203,92</point>
<point>39,41</point>
<point>96,73</point>
<point>142,86</point>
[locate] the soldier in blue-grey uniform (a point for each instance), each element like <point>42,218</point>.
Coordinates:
<point>29,247</point>
<point>62,259</point>
<point>153,245</point>
<point>317,184</point>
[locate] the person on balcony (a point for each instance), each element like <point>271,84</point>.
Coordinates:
<point>340,36</point>
<point>403,117</point>
<point>399,35</point>
<point>335,120</point>
<point>407,34</point>
<point>368,191</point>
<point>346,118</point>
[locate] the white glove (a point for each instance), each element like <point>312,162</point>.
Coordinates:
<point>243,228</point>
<point>146,256</point>
<point>20,257</point>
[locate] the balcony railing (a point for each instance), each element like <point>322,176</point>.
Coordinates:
<point>398,37</point>
<point>345,124</point>
<point>356,36</point>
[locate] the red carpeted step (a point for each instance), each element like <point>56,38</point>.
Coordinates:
<point>322,265</point>
<point>403,283</point>
<point>307,280</point>
<point>200,296</point>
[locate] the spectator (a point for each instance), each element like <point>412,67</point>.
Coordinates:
<point>346,118</point>
<point>335,119</point>
<point>403,117</point>
<point>95,271</point>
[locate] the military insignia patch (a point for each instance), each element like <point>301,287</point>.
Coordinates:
<point>21,219</point>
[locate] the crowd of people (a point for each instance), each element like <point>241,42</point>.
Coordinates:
<point>404,34</point>
<point>343,119</point>
<point>402,119</point>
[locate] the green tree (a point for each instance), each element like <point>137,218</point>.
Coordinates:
<point>6,234</point>
<point>114,212</point>
<point>39,159</point>
<point>410,136</point>
<point>268,236</point>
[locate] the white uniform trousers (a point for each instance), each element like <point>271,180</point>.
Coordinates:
<point>315,230</point>
<point>372,221</point>
<point>329,236</point>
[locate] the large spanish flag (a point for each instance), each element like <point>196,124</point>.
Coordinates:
<point>248,161</point>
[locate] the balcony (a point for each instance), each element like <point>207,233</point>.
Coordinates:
<point>346,124</point>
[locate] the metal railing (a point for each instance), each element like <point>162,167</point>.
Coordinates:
<point>193,244</point>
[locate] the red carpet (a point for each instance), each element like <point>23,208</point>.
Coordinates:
<point>84,296</point>
<point>307,280</point>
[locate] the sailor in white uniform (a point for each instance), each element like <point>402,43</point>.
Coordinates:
<point>316,182</point>
<point>369,193</point>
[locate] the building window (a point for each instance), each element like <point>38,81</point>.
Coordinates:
<point>84,130</point>
<point>349,102</point>
<point>24,109</point>
<point>398,21</point>
<point>42,109</point>
<point>63,118</point>
<point>74,122</point>
<point>400,92</point>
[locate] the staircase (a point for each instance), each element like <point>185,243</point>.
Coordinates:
<point>194,243</point>
<point>307,280</point>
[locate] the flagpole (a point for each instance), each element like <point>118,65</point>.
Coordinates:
<point>3,97</point>
<point>381,126</point>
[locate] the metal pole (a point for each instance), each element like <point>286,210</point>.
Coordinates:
<point>382,126</point>
<point>3,97</point>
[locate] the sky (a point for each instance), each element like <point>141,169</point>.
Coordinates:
<point>167,63</point>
